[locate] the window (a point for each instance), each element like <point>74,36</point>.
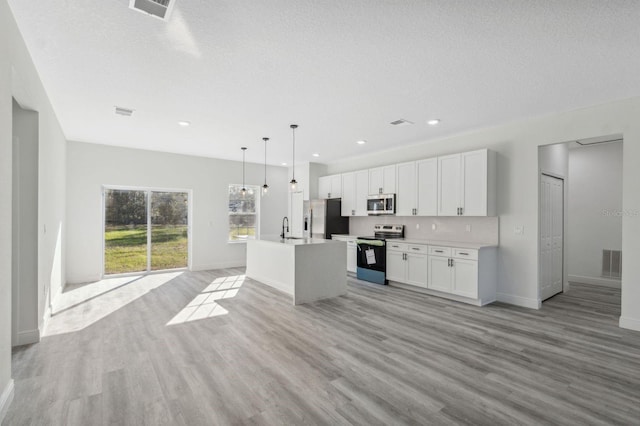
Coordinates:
<point>243,212</point>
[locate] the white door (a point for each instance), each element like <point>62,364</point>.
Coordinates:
<point>427,187</point>
<point>449,184</point>
<point>406,195</point>
<point>395,266</point>
<point>439,274</point>
<point>474,188</point>
<point>348,205</point>
<point>551,236</point>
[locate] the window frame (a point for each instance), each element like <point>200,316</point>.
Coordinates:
<point>256,213</point>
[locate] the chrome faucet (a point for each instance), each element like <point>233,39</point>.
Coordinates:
<point>283,228</point>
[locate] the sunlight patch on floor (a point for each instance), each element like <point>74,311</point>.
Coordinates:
<point>205,305</point>
<point>79,306</point>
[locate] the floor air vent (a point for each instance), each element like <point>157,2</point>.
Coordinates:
<point>611,263</point>
<point>158,8</point>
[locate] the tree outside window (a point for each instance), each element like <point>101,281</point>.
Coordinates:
<point>243,212</point>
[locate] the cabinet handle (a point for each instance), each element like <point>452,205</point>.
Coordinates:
<point>438,251</point>
<point>464,254</point>
<point>415,248</point>
<point>353,212</point>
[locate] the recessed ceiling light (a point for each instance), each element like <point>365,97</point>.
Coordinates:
<point>361,142</point>
<point>184,123</point>
<point>315,154</point>
<point>433,122</point>
<point>284,164</point>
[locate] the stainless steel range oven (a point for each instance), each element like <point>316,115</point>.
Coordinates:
<point>372,253</point>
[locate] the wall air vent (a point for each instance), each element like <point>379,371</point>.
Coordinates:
<point>124,111</point>
<point>160,9</point>
<point>611,263</point>
<point>401,122</point>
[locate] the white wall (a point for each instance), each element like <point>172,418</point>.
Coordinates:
<point>518,174</point>
<point>19,79</point>
<point>24,266</point>
<point>595,209</point>
<point>6,35</point>
<point>90,166</point>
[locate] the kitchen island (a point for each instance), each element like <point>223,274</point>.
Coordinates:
<point>308,269</point>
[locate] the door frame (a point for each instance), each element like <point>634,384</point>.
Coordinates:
<point>565,284</point>
<point>148,190</point>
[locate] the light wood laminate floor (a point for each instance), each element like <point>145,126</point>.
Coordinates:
<point>380,355</point>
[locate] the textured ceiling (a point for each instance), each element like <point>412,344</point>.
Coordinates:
<point>239,70</point>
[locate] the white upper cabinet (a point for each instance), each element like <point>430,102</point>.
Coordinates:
<point>466,184</point>
<point>417,193</point>
<point>382,180</point>
<point>330,186</point>
<point>427,187</point>
<point>406,203</point>
<point>355,187</point>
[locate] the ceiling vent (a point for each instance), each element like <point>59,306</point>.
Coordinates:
<point>401,122</point>
<point>124,111</point>
<point>160,9</point>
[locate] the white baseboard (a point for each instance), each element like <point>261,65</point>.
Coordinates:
<point>82,279</point>
<point>524,302</point>
<point>630,323</point>
<point>604,282</point>
<point>219,265</point>
<point>5,399</point>
<point>27,337</point>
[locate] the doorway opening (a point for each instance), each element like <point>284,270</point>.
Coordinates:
<point>145,230</point>
<point>589,254</point>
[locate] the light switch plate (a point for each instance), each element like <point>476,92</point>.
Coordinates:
<point>468,228</point>
<point>433,227</point>
<point>417,226</point>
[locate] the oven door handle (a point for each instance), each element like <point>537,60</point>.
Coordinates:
<point>371,243</point>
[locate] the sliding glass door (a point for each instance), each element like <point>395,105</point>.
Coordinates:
<point>145,230</point>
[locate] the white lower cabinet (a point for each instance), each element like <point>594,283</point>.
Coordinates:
<point>467,275</point>
<point>352,251</point>
<point>407,263</point>
<point>352,255</point>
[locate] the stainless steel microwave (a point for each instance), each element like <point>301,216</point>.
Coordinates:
<point>380,204</point>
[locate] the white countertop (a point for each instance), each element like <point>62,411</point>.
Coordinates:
<point>344,235</point>
<point>296,241</point>
<point>459,244</point>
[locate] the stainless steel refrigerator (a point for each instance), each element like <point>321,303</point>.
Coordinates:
<point>323,218</point>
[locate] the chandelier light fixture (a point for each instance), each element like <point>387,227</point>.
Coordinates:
<point>293,182</point>
<point>265,187</point>
<point>243,191</point>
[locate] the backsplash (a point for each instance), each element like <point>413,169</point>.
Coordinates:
<point>483,229</point>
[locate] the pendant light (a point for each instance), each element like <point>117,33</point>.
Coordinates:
<point>265,187</point>
<point>293,164</point>
<point>243,191</point>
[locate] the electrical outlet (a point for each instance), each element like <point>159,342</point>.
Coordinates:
<point>433,227</point>
<point>518,230</point>
<point>417,226</point>
<point>468,228</point>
